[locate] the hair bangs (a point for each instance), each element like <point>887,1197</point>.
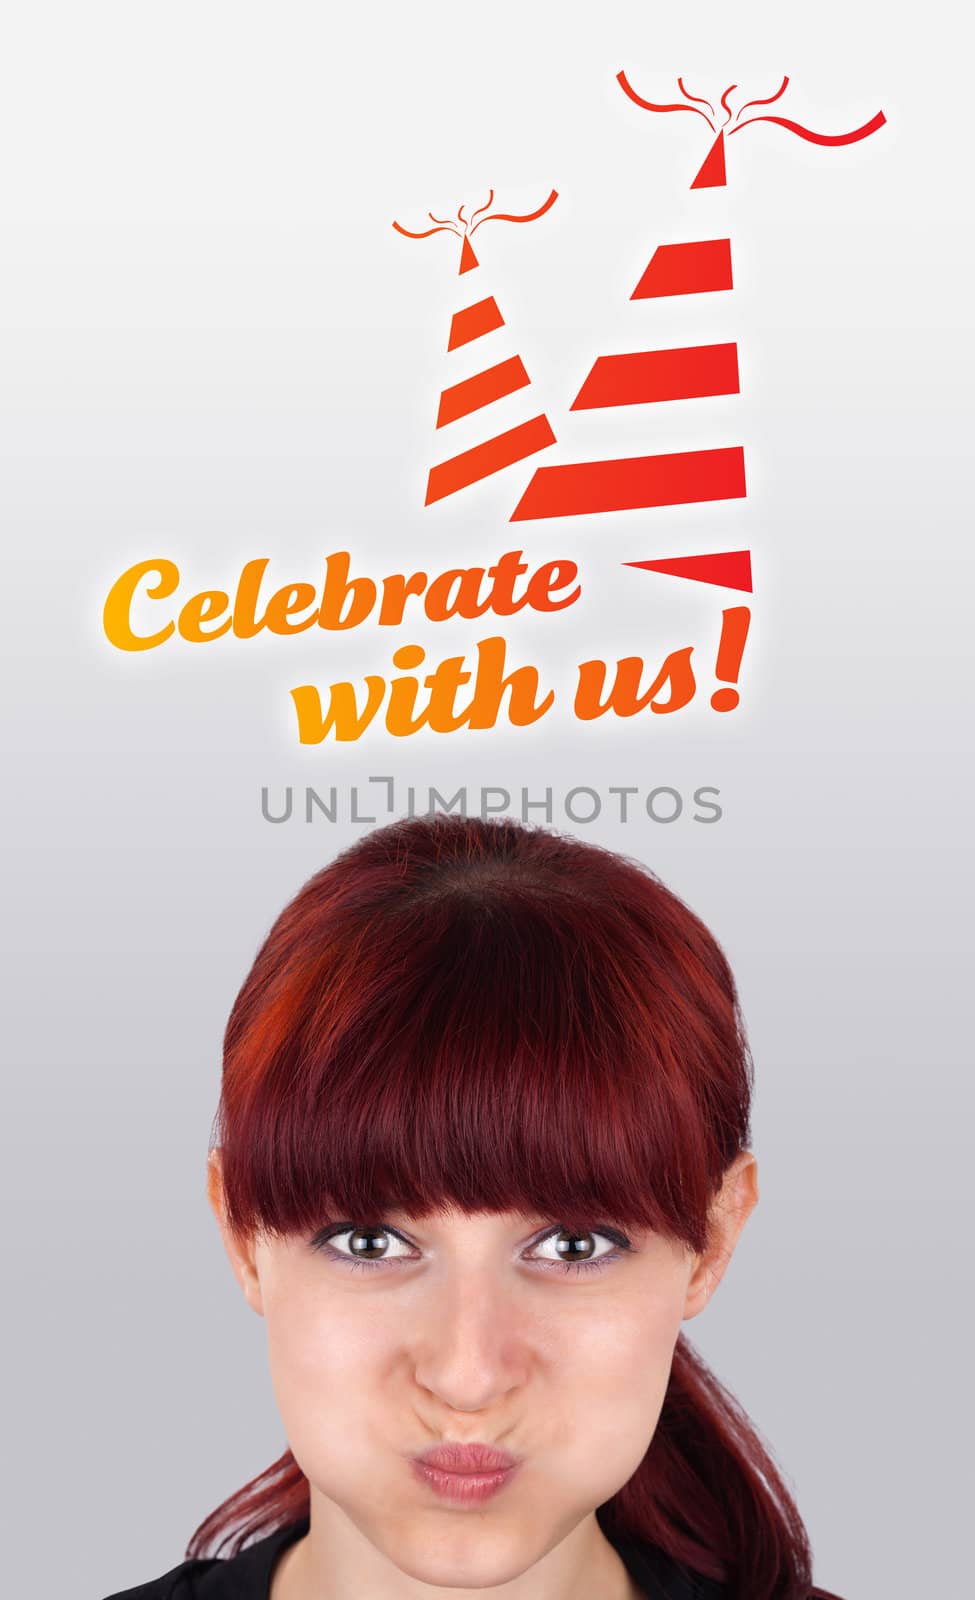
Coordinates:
<point>485,1047</point>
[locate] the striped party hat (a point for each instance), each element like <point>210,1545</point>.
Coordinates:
<point>700,266</point>
<point>646,377</point>
<point>492,380</point>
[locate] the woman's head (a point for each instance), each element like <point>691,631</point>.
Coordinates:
<point>488,1016</point>
<point>481,1148</point>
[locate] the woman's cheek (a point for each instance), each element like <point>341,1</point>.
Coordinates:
<point>313,1338</point>
<point>641,1355</point>
<point>630,1357</point>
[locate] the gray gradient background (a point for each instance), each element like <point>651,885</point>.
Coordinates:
<point>214,347</point>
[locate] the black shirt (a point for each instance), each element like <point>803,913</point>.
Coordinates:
<point>247,1576</point>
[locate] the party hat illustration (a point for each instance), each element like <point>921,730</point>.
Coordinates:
<point>476,318</point>
<point>700,266</point>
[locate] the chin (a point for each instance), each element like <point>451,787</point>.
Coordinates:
<point>463,1552</point>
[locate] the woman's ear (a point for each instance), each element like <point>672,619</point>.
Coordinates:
<point>240,1252</point>
<point>730,1210</point>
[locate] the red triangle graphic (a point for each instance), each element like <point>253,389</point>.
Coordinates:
<point>732,569</point>
<point>467,257</point>
<point>712,173</point>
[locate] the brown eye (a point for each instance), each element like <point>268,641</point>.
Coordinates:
<point>367,1246</point>
<point>367,1243</point>
<point>574,1246</point>
<point>581,1251</point>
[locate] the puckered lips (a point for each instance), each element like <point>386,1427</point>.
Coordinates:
<point>465,1473</point>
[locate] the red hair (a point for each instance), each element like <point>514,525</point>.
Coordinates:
<point>495,1017</point>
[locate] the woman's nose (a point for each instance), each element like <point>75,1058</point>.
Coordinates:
<point>473,1345</point>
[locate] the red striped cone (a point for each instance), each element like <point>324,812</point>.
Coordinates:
<point>490,383</point>
<point>697,267</point>
<point>648,377</point>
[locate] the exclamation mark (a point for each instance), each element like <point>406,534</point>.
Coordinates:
<point>731,648</point>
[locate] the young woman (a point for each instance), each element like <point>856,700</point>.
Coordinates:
<point>481,1148</point>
